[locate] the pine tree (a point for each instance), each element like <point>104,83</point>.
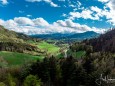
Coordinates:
<point>68,67</point>
<point>52,68</point>
<point>44,72</point>
<point>78,78</point>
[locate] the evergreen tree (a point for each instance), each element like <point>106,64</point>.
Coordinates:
<point>78,78</point>
<point>52,68</point>
<point>88,65</point>
<point>44,72</point>
<point>68,67</point>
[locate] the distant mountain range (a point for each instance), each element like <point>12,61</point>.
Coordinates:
<point>70,36</point>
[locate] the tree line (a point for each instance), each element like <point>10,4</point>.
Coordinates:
<point>61,72</point>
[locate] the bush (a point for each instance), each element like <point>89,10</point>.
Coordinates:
<point>2,84</point>
<point>32,80</point>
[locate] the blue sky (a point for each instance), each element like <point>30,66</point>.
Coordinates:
<point>57,16</point>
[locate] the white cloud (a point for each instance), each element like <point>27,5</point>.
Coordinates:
<point>96,13</point>
<point>96,9</point>
<point>10,23</point>
<point>62,0</point>
<point>29,15</point>
<point>111,4</point>
<point>109,10</point>
<point>33,0</point>
<point>47,1</point>
<point>4,2</point>
<point>23,21</point>
<point>64,15</point>
<point>40,22</point>
<point>20,11</point>
<point>71,5</point>
<point>103,1</point>
<point>76,27</point>
<point>79,4</point>
<point>2,22</point>
<point>85,14</point>
<point>53,4</point>
<point>41,26</point>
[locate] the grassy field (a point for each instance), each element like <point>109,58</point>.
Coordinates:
<point>9,59</point>
<point>14,58</point>
<point>79,54</point>
<point>50,48</point>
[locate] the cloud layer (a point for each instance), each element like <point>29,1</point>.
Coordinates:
<point>41,26</point>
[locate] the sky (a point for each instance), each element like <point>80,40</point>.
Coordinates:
<point>57,16</point>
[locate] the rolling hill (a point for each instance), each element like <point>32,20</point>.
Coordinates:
<point>17,42</point>
<point>68,36</point>
<point>18,48</point>
<point>9,36</point>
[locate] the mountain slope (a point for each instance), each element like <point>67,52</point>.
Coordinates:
<point>85,35</point>
<point>15,42</point>
<point>105,42</point>
<point>9,36</point>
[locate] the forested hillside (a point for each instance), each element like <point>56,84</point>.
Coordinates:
<point>81,64</point>
<point>106,42</point>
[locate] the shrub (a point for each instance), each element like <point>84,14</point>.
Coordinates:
<point>32,80</point>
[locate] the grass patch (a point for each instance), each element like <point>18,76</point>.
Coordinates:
<point>50,48</point>
<point>79,54</point>
<point>14,58</point>
<point>60,56</point>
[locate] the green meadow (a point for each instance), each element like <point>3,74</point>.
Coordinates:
<point>50,48</point>
<point>14,58</point>
<point>79,54</point>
